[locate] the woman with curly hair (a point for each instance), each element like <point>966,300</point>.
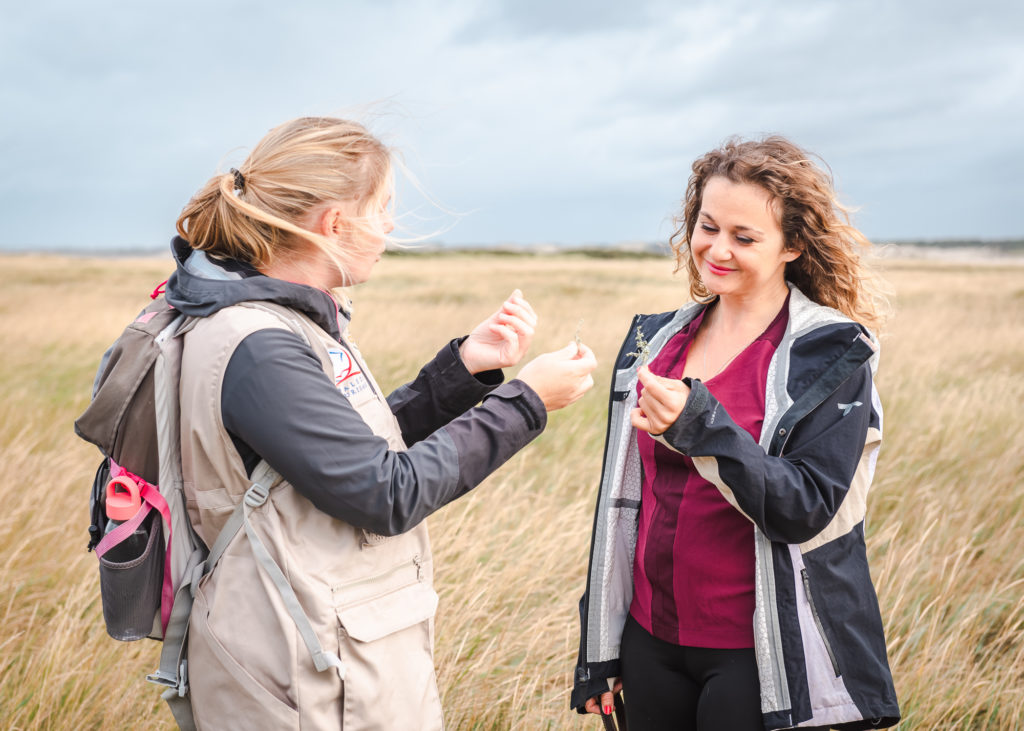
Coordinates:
<point>728,585</point>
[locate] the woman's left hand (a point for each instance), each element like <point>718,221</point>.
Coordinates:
<point>660,404</point>
<point>502,339</point>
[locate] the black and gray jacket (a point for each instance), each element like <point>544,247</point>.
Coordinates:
<point>277,404</point>
<point>817,627</point>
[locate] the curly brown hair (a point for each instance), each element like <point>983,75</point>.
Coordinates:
<point>830,269</point>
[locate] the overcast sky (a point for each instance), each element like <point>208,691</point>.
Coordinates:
<point>532,120</point>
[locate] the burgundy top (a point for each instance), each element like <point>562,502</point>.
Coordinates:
<point>693,576</point>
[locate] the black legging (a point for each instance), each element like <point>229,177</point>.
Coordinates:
<point>668,686</point>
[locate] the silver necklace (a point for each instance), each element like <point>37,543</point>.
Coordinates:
<point>707,341</point>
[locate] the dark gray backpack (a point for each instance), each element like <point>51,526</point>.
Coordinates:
<point>134,420</point>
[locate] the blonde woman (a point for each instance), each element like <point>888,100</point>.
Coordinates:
<point>270,375</point>
<point>728,585</point>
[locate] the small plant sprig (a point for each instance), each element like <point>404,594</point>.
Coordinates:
<point>576,336</point>
<point>643,348</point>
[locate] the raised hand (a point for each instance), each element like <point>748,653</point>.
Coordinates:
<point>502,339</point>
<point>661,402</point>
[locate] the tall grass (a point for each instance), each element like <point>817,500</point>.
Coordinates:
<point>946,514</point>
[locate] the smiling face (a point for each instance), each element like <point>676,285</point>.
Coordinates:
<point>737,244</point>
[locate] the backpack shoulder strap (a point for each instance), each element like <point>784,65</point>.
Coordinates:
<point>173,670</point>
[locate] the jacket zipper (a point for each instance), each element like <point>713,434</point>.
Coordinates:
<point>583,671</point>
<point>817,622</point>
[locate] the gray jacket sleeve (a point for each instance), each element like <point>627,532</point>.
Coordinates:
<point>442,390</point>
<point>277,404</point>
<point>792,497</point>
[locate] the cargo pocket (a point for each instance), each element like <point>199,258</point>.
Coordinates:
<point>224,694</point>
<point>386,645</point>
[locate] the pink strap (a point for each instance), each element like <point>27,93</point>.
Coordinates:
<point>159,290</point>
<point>121,532</point>
<point>151,498</point>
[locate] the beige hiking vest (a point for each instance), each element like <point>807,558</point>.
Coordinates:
<point>369,598</point>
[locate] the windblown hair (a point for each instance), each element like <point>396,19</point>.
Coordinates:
<point>829,270</point>
<point>296,167</point>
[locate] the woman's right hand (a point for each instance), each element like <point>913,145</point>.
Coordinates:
<point>561,376</point>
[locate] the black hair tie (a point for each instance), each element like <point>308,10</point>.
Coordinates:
<point>239,180</point>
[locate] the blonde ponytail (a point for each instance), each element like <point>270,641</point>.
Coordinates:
<point>256,214</point>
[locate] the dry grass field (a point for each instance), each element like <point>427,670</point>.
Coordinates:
<point>946,514</point>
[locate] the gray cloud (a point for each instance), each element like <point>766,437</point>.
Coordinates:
<point>563,122</point>
<point>539,18</point>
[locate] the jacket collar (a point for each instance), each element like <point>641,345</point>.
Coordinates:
<point>202,285</point>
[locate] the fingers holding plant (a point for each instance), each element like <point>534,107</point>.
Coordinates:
<point>561,377</point>
<point>661,402</point>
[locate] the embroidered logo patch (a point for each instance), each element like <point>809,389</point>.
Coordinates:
<point>847,408</point>
<point>348,376</point>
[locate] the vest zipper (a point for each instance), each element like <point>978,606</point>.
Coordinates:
<point>416,561</point>
<point>817,622</point>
